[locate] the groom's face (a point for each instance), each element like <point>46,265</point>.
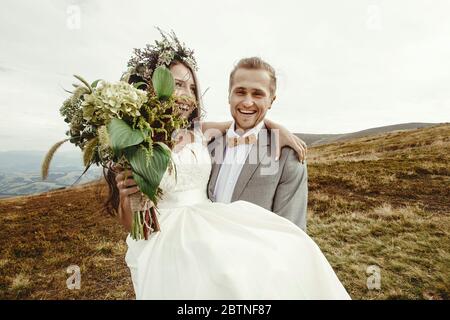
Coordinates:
<point>249,97</point>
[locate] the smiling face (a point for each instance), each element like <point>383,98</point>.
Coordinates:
<point>185,88</point>
<point>250,97</point>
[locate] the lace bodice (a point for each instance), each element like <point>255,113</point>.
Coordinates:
<point>188,183</point>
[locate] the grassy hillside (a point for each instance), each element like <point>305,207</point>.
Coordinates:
<point>319,139</point>
<point>385,200</point>
<point>381,200</point>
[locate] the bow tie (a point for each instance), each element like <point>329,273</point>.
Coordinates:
<point>236,141</point>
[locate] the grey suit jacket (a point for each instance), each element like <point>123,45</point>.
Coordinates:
<point>279,186</point>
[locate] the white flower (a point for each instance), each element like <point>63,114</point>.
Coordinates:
<point>112,100</point>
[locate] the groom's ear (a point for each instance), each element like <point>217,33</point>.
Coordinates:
<point>273,99</point>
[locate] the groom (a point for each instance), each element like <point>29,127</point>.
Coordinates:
<point>244,165</point>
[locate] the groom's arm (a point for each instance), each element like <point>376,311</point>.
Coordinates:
<point>291,196</point>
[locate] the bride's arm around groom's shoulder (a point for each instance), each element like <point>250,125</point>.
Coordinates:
<point>213,130</point>
<point>291,195</point>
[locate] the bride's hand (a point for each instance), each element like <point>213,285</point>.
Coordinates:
<point>125,183</point>
<point>182,138</point>
<point>126,186</point>
<point>287,139</point>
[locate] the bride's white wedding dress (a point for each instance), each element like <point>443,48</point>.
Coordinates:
<point>211,250</point>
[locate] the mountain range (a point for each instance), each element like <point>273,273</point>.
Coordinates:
<point>20,170</point>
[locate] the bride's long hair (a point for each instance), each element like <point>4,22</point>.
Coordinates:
<point>111,205</point>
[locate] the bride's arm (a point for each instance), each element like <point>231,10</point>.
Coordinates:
<point>214,129</point>
<point>287,139</point>
<point>125,217</point>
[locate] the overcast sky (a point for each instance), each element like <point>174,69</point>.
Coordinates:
<point>342,66</point>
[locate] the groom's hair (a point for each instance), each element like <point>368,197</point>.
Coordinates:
<point>256,63</point>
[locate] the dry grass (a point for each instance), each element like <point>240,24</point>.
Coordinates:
<point>384,201</point>
<point>380,200</point>
<point>43,235</point>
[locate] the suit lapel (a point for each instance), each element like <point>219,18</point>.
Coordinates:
<point>257,154</point>
<point>219,142</point>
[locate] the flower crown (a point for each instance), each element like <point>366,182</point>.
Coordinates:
<point>144,61</point>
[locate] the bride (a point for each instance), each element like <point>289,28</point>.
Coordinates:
<point>207,250</point>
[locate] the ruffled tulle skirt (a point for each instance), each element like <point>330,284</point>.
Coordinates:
<point>229,251</point>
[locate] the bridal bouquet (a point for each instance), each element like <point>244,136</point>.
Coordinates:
<point>119,123</point>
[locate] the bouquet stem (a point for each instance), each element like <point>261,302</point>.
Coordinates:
<point>144,220</point>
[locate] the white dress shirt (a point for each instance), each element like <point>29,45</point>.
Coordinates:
<point>233,162</point>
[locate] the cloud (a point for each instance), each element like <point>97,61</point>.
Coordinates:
<point>337,72</point>
<point>5,69</point>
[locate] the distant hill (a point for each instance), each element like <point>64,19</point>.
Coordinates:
<point>20,172</point>
<point>318,139</point>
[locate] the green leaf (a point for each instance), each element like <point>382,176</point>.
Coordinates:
<point>163,82</point>
<point>138,84</point>
<point>122,135</point>
<point>148,172</point>
<point>164,146</point>
<point>88,151</point>
<point>84,82</point>
<point>95,83</point>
